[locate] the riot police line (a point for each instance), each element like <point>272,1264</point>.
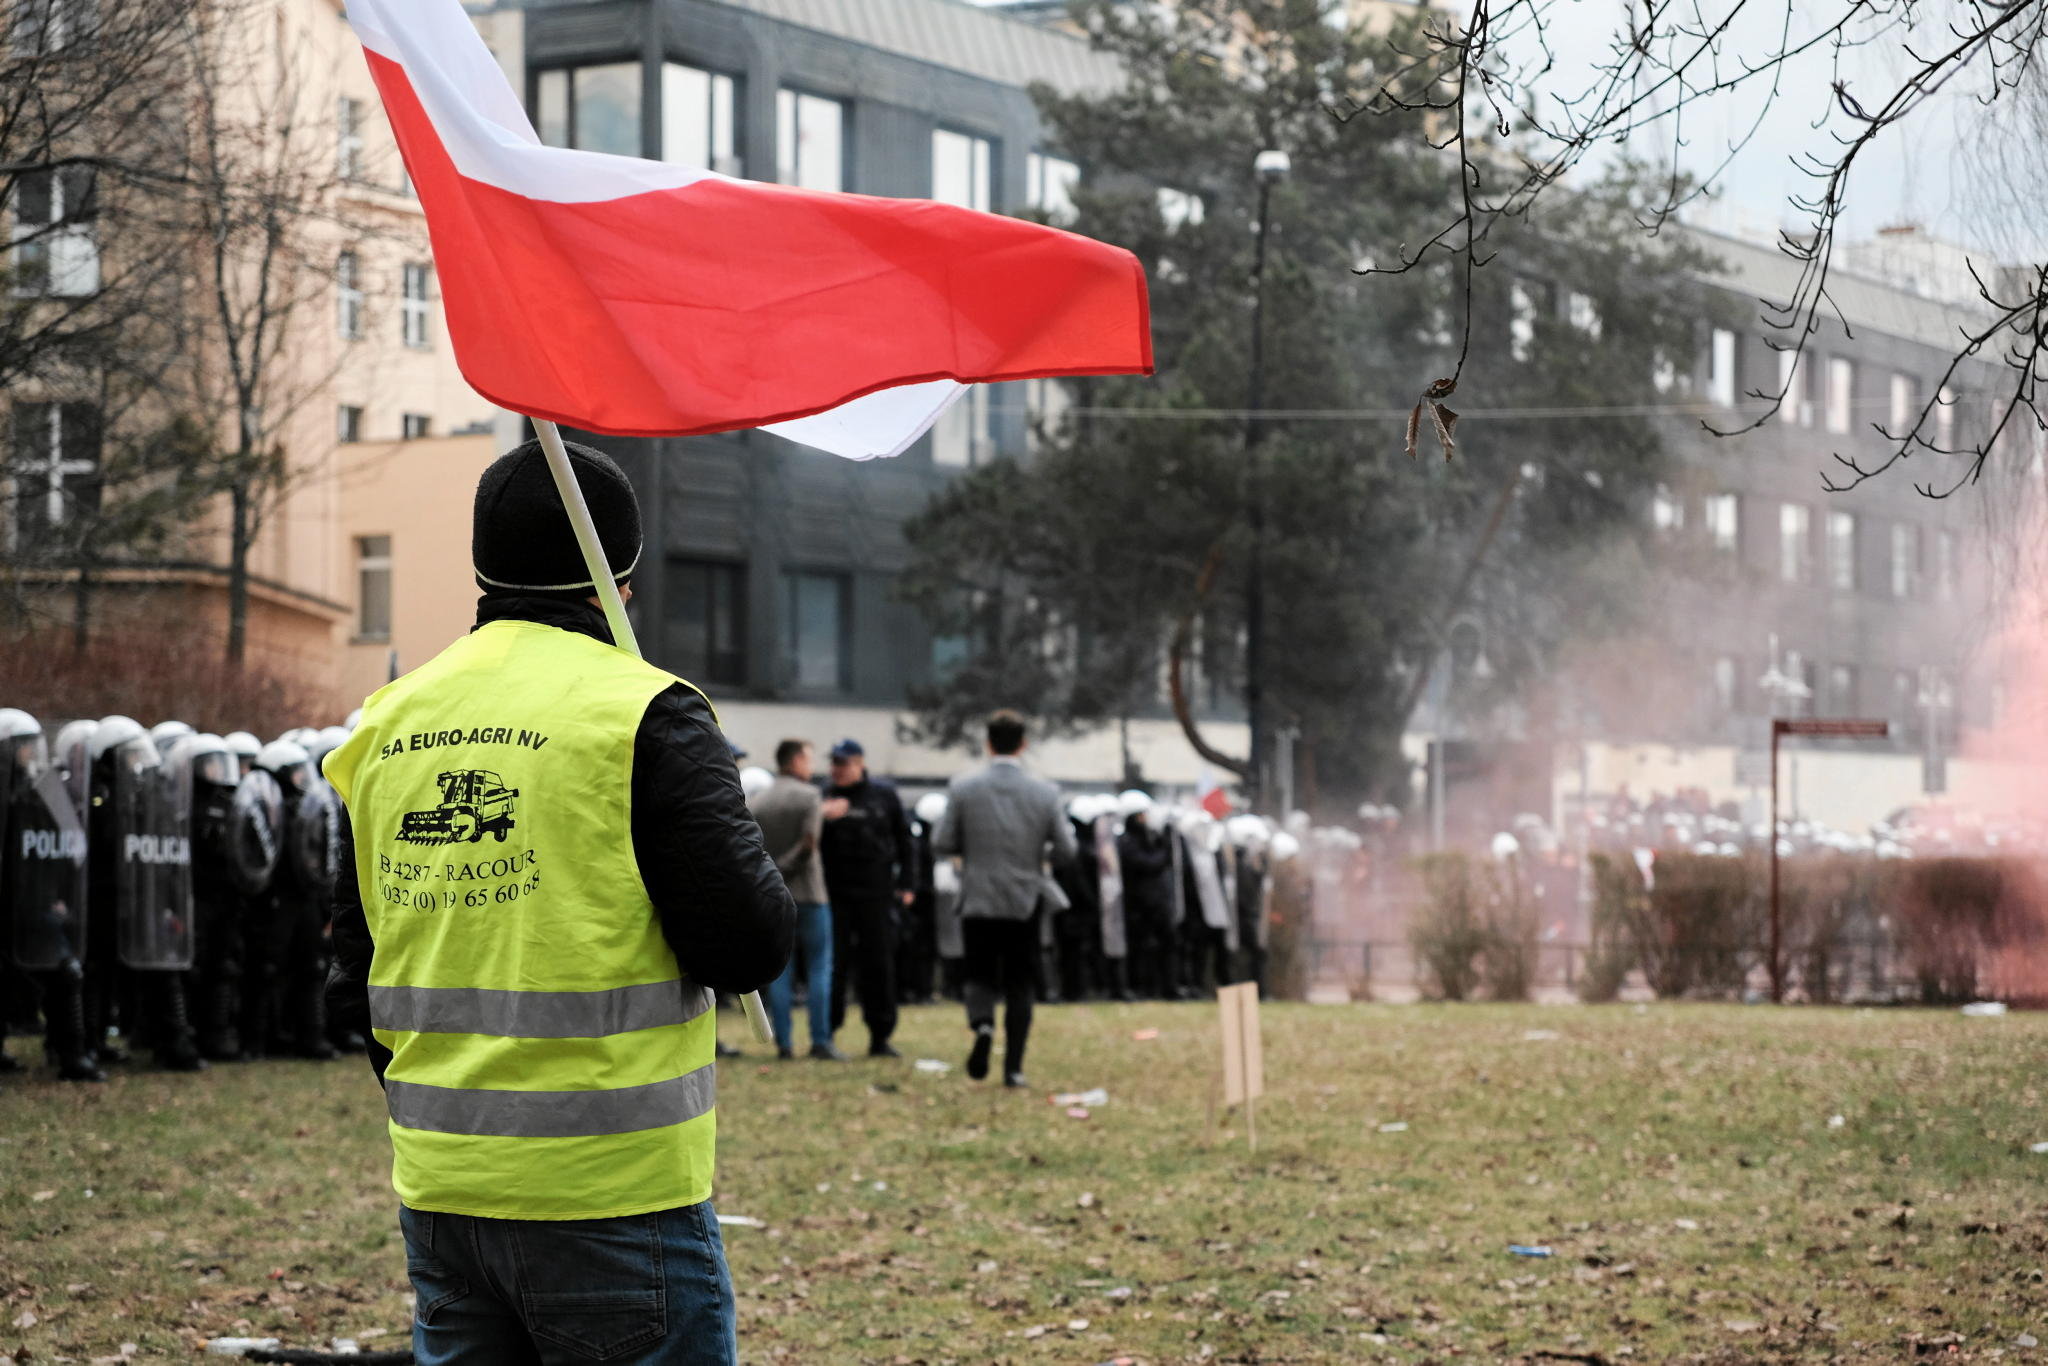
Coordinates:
<point>165,892</point>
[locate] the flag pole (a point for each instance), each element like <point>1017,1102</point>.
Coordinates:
<point>614,610</point>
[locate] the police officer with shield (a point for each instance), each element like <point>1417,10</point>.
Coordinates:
<point>285,1008</point>
<point>43,890</point>
<point>140,845</point>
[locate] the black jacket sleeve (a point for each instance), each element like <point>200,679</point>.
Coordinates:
<point>723,906</point>
<point>348,972</point>
<point>906,849</point>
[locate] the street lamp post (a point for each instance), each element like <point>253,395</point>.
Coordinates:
<point>1936,699</point>
<point>1781,687</point>
<point>1270,167</point>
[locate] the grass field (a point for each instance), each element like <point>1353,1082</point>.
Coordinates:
<point>1682,1161</point>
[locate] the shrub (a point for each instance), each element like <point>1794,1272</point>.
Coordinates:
<point>151,675</point>
<point>1449,931</point>
<point>1507,958</point>
<point>1698,934</point>
<point>1619,905</point>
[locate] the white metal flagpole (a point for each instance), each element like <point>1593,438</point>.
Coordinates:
<point>614,610</point>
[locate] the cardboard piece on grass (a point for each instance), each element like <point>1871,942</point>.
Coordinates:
<point>1244,1066</point>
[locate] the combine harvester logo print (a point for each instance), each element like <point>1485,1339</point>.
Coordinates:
<point>474,802</point>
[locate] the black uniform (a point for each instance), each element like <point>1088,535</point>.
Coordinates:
<point>869,863</point>
<point>1146,856</point>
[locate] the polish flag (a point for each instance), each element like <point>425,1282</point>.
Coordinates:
<point>641,298</point>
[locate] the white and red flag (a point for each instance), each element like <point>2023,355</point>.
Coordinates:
<point>642,298</point>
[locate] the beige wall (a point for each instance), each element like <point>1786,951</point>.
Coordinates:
<point>1843,789</point>
<point>419,493</point>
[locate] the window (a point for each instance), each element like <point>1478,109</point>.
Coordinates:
<point>1841,391</point>
<point>1905,696</point>
<point>1945,566</point>
<point>1724,528</point>
<point>816,635</point>
<point>961,435</point>
<point>1581,312</point>
<point>1842,689</point>
<point>46,26</point>
<point>810,141</point>
<point>1842,551</point>
<point>56,252</point>
<point>413,306</point>
<point>1046,402</point>
<point>1945,418</point>
<point>1905,560</point>
<point>1049,183</point>
<point>55,462</point>
<point>1905,405</point>
<point>1727,684</point>
<point>697,119</point>
<point>348,138</point>
<point>1795,543</point>
<point>1794,405</point>
<point>1721,368</point>
<point>1178,208</point>
<point>1521,320</point>
<point>348,424</point>
<point>373,588</point>
<point>596,108</point>
<point>413,426</point>
<point>706,634</point>
<point>348,297</point>
<point>1667,511</point>
<point>960,169</point>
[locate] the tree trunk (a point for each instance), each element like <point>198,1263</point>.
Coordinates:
<point>1183,710</point>
<point>238,574</point>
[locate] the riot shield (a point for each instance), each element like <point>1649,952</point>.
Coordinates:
<point>1208,880</point>
<point>1109,882</point>
<point>254,838</point>
<point>152,820</point>
<point>312,839</point>
<point>42,859</point>
<point>72,754</point>
<point>1226,862</point>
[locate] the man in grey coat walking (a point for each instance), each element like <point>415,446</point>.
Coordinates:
<point>1000,822</point>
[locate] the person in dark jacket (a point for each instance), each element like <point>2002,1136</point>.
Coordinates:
<point>1147,861</point>
<point>871,878</point>
<point>544,999</point>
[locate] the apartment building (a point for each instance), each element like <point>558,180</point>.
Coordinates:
<point>358,361</point>
<point>1878,601</point>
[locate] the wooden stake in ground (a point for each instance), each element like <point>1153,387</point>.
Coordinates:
<point>1244,1062</point>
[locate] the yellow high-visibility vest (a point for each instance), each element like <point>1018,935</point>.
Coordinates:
<point>548,1059</point>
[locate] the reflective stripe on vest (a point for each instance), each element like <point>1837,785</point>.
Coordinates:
<point>550,1114</point>
<point>536,1014</point>
<point>548,1059</point>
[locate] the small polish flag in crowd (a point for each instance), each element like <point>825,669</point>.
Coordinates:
<point>643,298</point>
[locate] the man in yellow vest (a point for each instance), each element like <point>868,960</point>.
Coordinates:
<point>548,869</point>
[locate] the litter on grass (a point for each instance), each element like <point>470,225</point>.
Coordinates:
<point>739,1221</point>
<point>2038,1148</point>
<point>932,1065</point>
<point>1539,1035</point>
<point>1076,1112</point>
<point>1397,1127</point>
<point>1096,1096</point>
<point>1144,1035</point>
<point>1984,1008</point>
<point>1836,1121</point>
<point>241,1347</point>
<point>1529,1250</point>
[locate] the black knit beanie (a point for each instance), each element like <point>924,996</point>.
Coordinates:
<point>522,541</point>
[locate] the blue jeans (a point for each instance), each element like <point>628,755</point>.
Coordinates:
<point>646,1289</point>
<point>814,947</point>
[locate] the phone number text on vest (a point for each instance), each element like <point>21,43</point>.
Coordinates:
<point>442,886</point>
